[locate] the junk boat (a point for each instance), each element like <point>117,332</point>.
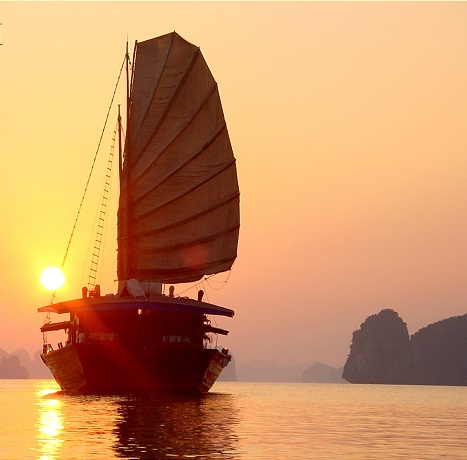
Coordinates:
<point>178,222</point>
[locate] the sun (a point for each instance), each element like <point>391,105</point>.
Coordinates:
<point>52,278</point>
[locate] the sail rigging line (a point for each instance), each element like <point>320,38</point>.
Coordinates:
<point>118,129</point>
<point>102,213</point>
<point>120,151</point>
<point>208,280</point>
<point>91,249</point>
<point>93,164</point>
<point>89,176</point>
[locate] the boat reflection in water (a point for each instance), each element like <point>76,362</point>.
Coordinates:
<point>178,427</point>
<point>136,427</point>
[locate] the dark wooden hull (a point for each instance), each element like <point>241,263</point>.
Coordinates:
<point>113,368</point>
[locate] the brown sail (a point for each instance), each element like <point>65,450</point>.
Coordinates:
<point>178,216</point>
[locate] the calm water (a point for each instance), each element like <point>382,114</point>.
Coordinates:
<point>236,421</point>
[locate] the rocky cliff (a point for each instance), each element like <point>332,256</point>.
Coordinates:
<point>382,352</point>
<point>19,365</point>
<point>440,353</point>
<point>11,368</point>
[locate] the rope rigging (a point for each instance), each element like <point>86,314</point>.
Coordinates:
<point>102,217</point>
<point>92,169</point>
<point>93,164</point>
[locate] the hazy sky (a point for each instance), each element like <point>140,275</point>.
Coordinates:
<point>349,125</point>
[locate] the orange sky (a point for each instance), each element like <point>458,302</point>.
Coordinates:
<point>348,121</point>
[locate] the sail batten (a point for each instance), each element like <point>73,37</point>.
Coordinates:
<point>179,223</point>
<point>179,167</point>
<point>141,174</point>
<point>181,195</point>
<point>188,274</point>
<point>156,127</point>
<point>154,88</point>
<point>187,244</point>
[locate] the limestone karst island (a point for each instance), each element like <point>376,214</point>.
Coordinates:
<point>382,352</point>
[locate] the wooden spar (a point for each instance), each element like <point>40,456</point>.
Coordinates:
<point>127,59</point>
<point>56,326</point>
<point>215,330</point>
<point>120,158</point>
<point>118,303</point>
<point>126,177</point>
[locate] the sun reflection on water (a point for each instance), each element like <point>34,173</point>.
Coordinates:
<point>238,420</point>
<point>50,421</point>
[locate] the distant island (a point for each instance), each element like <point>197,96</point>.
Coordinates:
<point>323,373</point>
<point>19,365</point>
<point>11,368</point>
<point>266,371</point>
<point>382,352</point>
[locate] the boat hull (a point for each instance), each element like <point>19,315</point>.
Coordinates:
<point>112,368</point>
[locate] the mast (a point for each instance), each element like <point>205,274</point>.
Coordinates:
<point>120,157</point>
<point>127,59</point>
<point>127,261</point>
